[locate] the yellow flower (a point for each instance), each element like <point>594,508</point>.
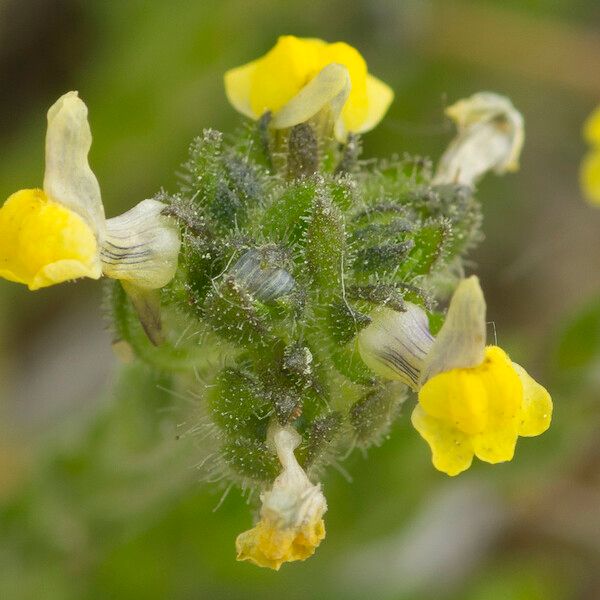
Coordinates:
<point>590,167</point>
<point>490,137</point>
<point>472,400</point>
<point>60,233</point>
<point>291,524</point>
<point>299,77</point>
<point>480,411</point>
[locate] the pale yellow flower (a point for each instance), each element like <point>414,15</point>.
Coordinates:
<point>291,522</point>
<point>299,77</point>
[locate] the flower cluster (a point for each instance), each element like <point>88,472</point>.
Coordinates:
<point>313,276</point>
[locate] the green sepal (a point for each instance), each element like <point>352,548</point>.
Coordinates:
<point>345,321</point>
<point>285,219</point>
<point>238,404</point>
<point>203,170</point>
<point>430,242</point>
<point>342,192</point>
<point>383,259</point>
<point>233,314</point>
<point>223,184</point>
<point>128,331</point>
<point>351,151</point>
<point>303,152</point>
<point>203,259</point>
<point>319,437</point>
<point>297,363</point>
<point>436,320</point>
<point>459,207</point>
<point>372,416</point>
<point>251,460</point>
<point>348,362</point>
<point>378,294</point>
<point>325,242</point>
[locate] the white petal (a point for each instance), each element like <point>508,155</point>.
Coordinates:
<point>141,246</point>
<point>293,500</point>
<point>395,344</point>
<point>460,342</point>
<point>68,178</point>
<point>490,137</point>
<point>329,90</point>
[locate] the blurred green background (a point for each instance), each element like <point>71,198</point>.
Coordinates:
<point>101,494</point>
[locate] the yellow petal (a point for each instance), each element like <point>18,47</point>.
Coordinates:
<point>141,246</point>
<point>327,91</point>
<point>43,243</point>
<point>504,397</point>
<point>356,109</point>
<point>283,72</point>
<point>458,397</point>
<point>451,450</point>
<point>395,344</point>
<point>379,97</point>
<point>483,403</point>
<point>496,444</point>
<point>238,83</point>
<point>490,137</point>
<point>591,128</point>
<point>536,410</point>
<point>268,546</point>
<point>291,525</point>
<point>590,177</point>
<point>460,342</point>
